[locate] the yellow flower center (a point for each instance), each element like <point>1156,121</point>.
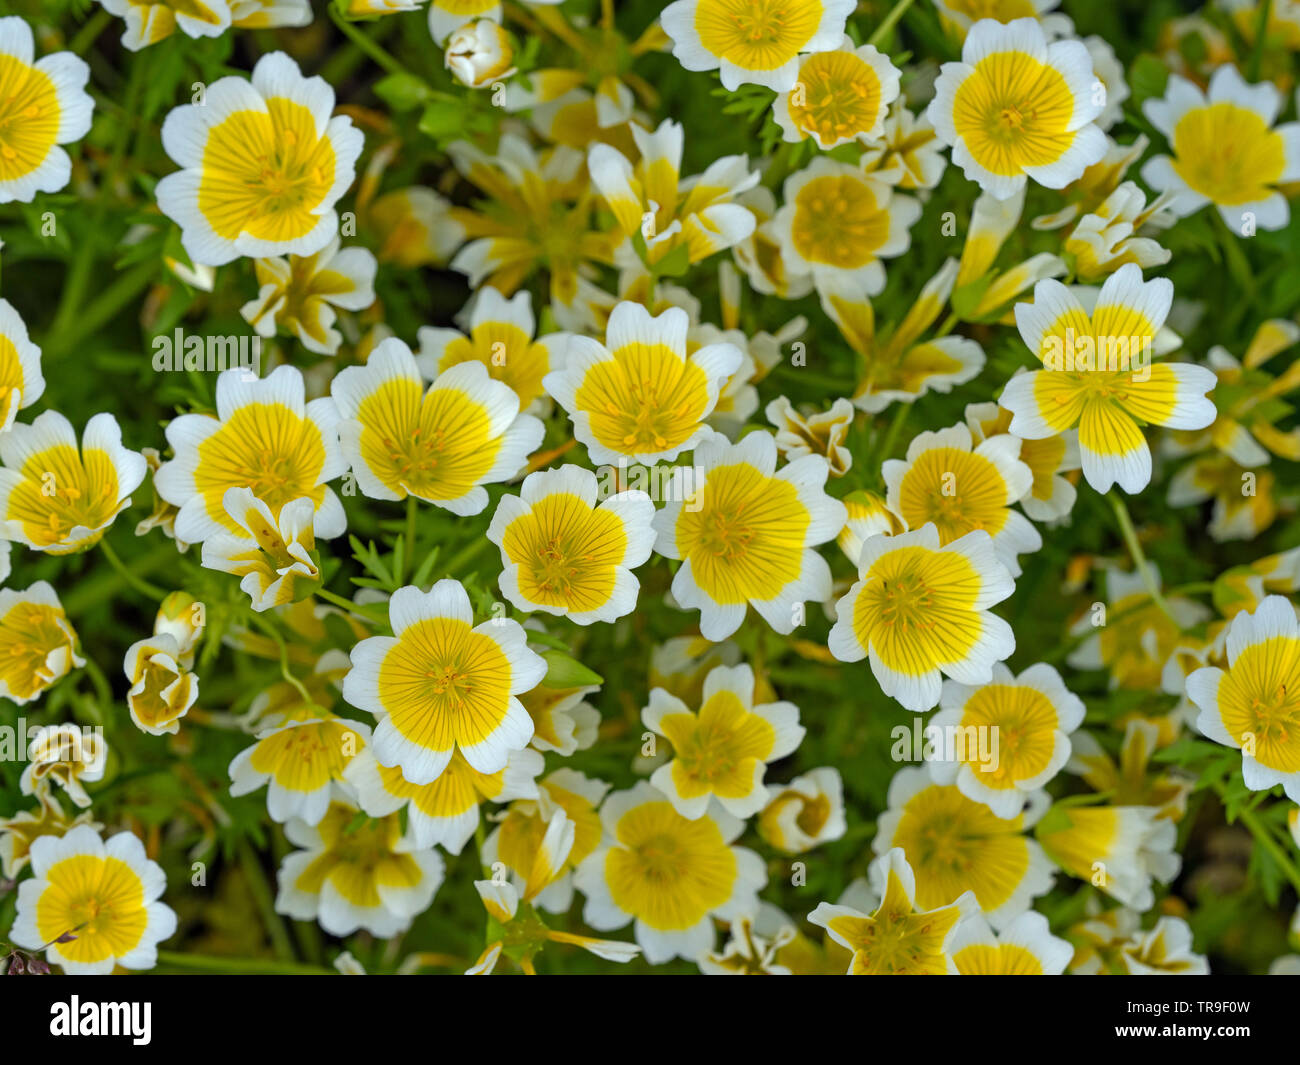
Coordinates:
<point>263,173</point>
<point>746,539</point>
<point>956,490</point>
<point>99,900</point>
<point>838,222</point>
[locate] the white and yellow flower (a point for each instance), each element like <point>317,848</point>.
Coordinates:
<point>907,153</point>
<point>564,553</point>
<point>746,953</point>
<point>272,556</point>
<point>263,164</point>
<point>1025,947</point>
<point>1031,716</point>
<point>1119,849</point>
<point>1093,378</point>
<point>350,876</point>
<point>45,105</point>
<point>838,96</point>
<point>563,721</point>
<point>947,481</point>
<point>722,750</point>
<point>838,223</point>
<point>441,444</point>
<point>1254,705</point>
<point>895,364</point>
<point>639,397</point>
<point>299,762</point>
<point>150,21</point>
<point>500,336</point>
<point>41,645</point>
<point>1016,107</point>
<point>920,611</point>
<point>898,939</point>
<point>670,875</point>
<point>521,836</point>
<point>821,434</point>
<point>18,833</point>
<point>162,688</point>
<point>751,42</point>
<point>749,534</point>
<point>441,684</point>
<point>480,53</point>
<point>264,438</point>
<point>298,294</point>
<point>651,200</point>
<point>1227,150</point>
<point>446,812</point>
<point>93,905</point>
<point>1107,238</point>
<point>67,755</point>
<point>1166,950</point>
<point>60,499</point>
<point>955,844</point>
<point>805,813</point>
<point>21,382</point>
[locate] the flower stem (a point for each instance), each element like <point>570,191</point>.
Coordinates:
<point>337,600</point>
<point>1266,839</point>
<point>261,891</point>
<point>144,587</point>
<point>1139,556</point>
<point>890,20</point>
<point>408,555</point>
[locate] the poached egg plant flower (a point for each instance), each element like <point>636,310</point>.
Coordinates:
<point>1227,150</point>
<point>441,444</point>
<point>441,684</point>
<point>920,611</point>
<point>670,875</point>
<point>746,534</point>
<point>93,904</point>
<point>1254,704</point>
<point>1016,107</point>
<point>45,104</point>
<point>1099,375</point>
<point>262,165</point>
<point>639,397</point>
<point>564,553</point>
<point>752,42</point>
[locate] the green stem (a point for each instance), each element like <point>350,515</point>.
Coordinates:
<point>261,892</point>
<point>209,963</point>
<point>95,590</point>
<point>1139,556</point>
<point>85,37</point>
<point>100,310</point>
<point>144,587</point>
<point>337,600</point>
<point>1266,839</point>
<point>1261,33</point>
<point>285,671</point>
<point>408,555</point>
<point>890,20</point>
<point>464,556</point>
